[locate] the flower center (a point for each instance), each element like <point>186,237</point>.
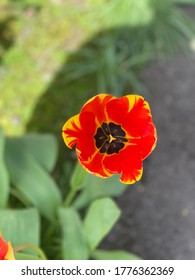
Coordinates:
<point>110,138</point>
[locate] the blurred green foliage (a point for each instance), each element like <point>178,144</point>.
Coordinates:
<point>56,54</point>
<point>33,215</point>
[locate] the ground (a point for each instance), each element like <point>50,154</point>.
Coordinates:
<point>159,212</point>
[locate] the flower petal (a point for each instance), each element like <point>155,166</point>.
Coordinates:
<point>71,131</point>
<point>85,123</point>
<point>10,253</point>
<point>3,248</point>
<point>85,148</point>
<point>95,165</point>
<point>128,162</point>
<point>147,143</point>
<point>139,117</point>
<point>132,111</point>
<point>77,127</point>
<point>97,105</point>
<point>80,130</point>
<point>6,250</point>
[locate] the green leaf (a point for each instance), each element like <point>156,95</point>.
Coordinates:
<point>114,255</point>
<point>25,256</point>
<point>74,246</point>
<point>32,180</point>
<point>4,179</point>
<point>43,147</point>
<point>100,218</point>
<point>96,187</point>
<point>20,226</point>
<point>77,180</point>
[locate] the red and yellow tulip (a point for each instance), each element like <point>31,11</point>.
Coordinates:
<point>6,250</point>
<point>112,135</point>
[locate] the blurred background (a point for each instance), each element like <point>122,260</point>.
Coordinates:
<point>55,54</point>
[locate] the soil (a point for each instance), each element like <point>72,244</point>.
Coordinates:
<point>158,213</point>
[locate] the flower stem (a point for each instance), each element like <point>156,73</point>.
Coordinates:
<point>70,197</point>
<point>33,247</point>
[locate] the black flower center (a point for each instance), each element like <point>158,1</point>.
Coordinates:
<point>110,138</point>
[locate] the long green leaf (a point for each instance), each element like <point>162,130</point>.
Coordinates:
<point>4,179</point>
<point>43,147</point>
<point>100,218</point>
<point>31,179</point>
<point>96,187</point>
<point>114,255</point>
<point>25,256</point>
<point>74,246</point>
<point>20,226</point>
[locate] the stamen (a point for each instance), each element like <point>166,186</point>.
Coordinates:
<point>110,138</point>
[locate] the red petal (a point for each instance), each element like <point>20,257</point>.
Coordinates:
<point>86,148</point>
<point>117,109</point>
<point>95,166</point>
<point>85,124</point>
<point>128,162</point>
<point>147,143</point>
<point>132,112</point>
<point>97,105</point>
<point>71,131</point>
<point>77,127</point>
<point>80,130</point>
<point>3,248</point>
